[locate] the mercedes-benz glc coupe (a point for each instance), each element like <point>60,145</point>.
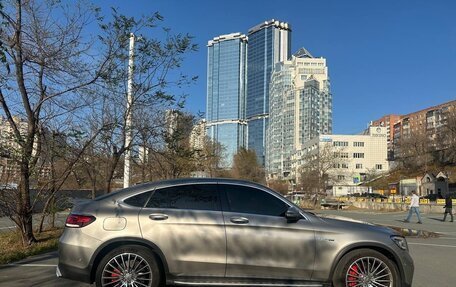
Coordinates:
<point>214,232</point>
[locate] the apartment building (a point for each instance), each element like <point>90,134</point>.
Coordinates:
<point>300,109</point>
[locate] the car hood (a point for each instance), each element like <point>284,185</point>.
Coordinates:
<point>353,224</point>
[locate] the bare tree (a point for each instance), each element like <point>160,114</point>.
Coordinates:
<point>209,158</point>
<point>47,66</point>
<point>415,151</point>
<point>63,148</point>
<point>318,171</point>
<point>174,157</point>
<point>280,186</point>
<point>246,166</point>
<point>156,65</point>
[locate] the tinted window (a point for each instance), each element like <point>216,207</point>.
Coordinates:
<point>196,197</point>
<point>251,200</point>
<point>138,200</point>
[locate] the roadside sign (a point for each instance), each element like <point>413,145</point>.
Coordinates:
<point>440,201</point>
<point>393,191</point>
<point>424,201</point>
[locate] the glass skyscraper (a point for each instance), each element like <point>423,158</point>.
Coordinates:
<point>226,89</point>
<point>269,43</point>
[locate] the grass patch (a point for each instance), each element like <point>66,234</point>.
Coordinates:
<point>12,249</point>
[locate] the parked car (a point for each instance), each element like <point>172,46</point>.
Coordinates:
<point>332,203</point>
<point>370,195</point>
<point>212,232</point>
<point>432,197</point>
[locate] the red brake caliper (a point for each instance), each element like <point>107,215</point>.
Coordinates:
<point>115,274</point>
<point>352,274</point>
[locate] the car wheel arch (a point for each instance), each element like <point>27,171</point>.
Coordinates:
<point>385,250</point>
<point>110,245</point>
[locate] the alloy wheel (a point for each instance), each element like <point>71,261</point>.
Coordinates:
<point>369,272</point>
<point>127,270</point>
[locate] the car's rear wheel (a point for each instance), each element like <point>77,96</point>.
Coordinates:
<point>128,266</point>
<point>366,268</point>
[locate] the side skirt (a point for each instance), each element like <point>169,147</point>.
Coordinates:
<point>244,282</point>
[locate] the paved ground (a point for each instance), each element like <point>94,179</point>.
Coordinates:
<point>34,271</point>
<point>434,257</point>
<point>431,222</point>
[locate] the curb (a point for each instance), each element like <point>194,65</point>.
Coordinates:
<point>409,232</point>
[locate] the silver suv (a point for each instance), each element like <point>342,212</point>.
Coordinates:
<point>212,232</point>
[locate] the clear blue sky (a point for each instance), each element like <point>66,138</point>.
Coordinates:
<point>388,56</point>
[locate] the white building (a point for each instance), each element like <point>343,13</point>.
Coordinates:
<point>198,135</point>
<point>11,150</point>
<point>353,158</point>
<point>300,109</point>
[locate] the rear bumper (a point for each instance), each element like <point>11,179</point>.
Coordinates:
<point>75,252</point>
<point>72,273</point>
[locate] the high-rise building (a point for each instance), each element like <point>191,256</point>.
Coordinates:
<point>269,43</point>
<point>198,135</point>
<point>10,151</point>
<point>300,109</point>
<point>226,87</point>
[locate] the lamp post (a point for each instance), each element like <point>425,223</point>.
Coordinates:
<point>128,119</point>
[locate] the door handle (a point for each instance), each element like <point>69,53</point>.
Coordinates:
<point>158,216</point>
<point>239,220</point>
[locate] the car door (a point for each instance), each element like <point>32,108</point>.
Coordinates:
<point>260,241</point>
<point>186,223</point>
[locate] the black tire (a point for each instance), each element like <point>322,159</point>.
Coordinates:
<point>348,271</point>
<point>135,263</point>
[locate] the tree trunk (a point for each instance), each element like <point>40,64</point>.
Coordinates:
<point>45,211</point>
<point>25,214</point>
<point>111,171</point>
<point>94,188</point>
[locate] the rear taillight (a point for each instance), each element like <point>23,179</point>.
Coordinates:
<point>78,220</point>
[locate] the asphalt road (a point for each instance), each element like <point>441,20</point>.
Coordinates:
<point>434,257</point>
<point>35,271</point>
<point>7,225</point>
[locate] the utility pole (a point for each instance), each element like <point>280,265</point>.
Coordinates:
<point>128,120</point>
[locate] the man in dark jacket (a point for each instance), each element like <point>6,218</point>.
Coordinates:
<point>448,208</point>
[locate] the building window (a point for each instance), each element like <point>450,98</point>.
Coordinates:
<point>378,167</point>
<point>344,165</point>
<point>340,143</point>
<point>341,177</point>
<point>358,144</point>
<point>359,166</point>
<point>358,155</point>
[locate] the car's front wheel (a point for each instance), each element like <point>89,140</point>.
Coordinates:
<point>366,268</point>
<point>128,266</point>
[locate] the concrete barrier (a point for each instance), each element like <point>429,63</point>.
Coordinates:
<point>394,206</point>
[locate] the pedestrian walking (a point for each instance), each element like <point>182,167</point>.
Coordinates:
<point>448,208</point>
<point>414,207</point>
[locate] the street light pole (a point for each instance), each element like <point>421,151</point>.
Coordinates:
<point>128,120</point>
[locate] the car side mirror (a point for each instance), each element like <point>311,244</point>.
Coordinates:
<point>292,215</point>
